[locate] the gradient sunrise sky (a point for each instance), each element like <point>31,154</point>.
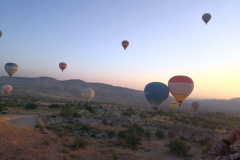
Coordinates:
<point>167,38</point>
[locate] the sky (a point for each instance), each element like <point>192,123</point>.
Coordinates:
<point>166,37</point>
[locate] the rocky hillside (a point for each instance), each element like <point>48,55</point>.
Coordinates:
<point>71,89</point>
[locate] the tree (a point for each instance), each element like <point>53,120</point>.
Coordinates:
<point>31,106</point>
<point>133,139</point>
<point>136,128</point>
<point>179,147</point>
<point>66,111</point>
<point>89,108</point>
<point>160,134</point>
<point>54,106</point>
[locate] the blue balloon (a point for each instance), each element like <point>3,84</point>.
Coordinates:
<point>156,93</point>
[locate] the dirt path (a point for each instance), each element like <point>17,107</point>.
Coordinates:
<point>21,120</point>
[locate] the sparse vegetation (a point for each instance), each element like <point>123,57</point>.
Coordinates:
<point>179,147</point>
<point>160,134</point>
<point>31,106</point>
<point>80,142</point>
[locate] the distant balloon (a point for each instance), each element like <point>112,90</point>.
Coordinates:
<point>206,17</point>
<point>87,94</point>
<point>7,89</point>
<point>180,87</point>
<point>0,33</point>
<point>195,106</point>
<point>174,105</point>
<point>62,66</point>
<point>11,68</point>
<point>125,44</point>
<point>156,93</point>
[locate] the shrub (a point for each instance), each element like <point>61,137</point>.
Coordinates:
<point>54,106</point>
<point>160,134</point>
<point>179,147</point>
<point>121,142</point>
<point>122,134</point>
<point>80,142</point>
<point>111,134</point>
<point>115,156</point>
<point>46,143</point>
<point>66,111</point>
<point>12,104</point>
<point>129,112</point>
<point>206,149</point>
<point>143,115</point>
<point>1,107</point>
<point>38,128</point>
<point>136,128</point>
<point>31,106</point>
<point>204,142</point>
<point>86,128</point>
<point>148,133</point>
<point>75,156</point>
<point>89,108</point>
<point>76,114</point>
<point>66,150</point>
<point>103,152</point>
<point>148,150</point>
<point>133,139</point>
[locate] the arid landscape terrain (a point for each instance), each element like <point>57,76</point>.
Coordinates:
<point>46,119</point>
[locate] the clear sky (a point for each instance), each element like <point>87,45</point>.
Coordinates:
<point>167,38</point>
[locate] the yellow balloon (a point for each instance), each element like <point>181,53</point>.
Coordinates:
<point>173,105</point>
<point>87,94</point>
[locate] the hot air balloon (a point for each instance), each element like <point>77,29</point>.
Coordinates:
<point>195,106</point>
<point>156,93</point>
<point>87,94</point>
<point>0,33</point>
<point>62,66</point>
<point>206,17</point>
<point>11,68</point>
<point>125,44</point>
<point>7,89</point>
<point>180,87</point>
<point>173,105</point>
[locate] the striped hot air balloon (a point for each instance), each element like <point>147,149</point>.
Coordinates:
<point>11,68</point>
<point>180,87</point>
<point>125,44</point>
<point>87,94</point>
<point>62,66</point>
<point>6,89</point>
<point>195,106</point>
<point>173,105</point>
<point>156,93</point>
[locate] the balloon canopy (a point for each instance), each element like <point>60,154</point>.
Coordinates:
<point>11,68</point>
<point>180,87</point>
<point>195,106</point>
<point>0,33</point>
<point>87,94</point>
<point>173,104</point>
<point>156,93</point>
<point>206,17</point>
<point>6,89</point>
<point>62,66</point>
<point>125,44</point>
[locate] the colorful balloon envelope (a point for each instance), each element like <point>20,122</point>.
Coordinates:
<point>0,33</point>
<point>174,105</point>
<point>125,44</point>
<point>206,17</point>
<point>156,93</point>
<point>62,66</point>
<point>11,68</point>
<point>195,106</point>
<point>6,89</point>
<point>180,87</point>
<point>87,94</point>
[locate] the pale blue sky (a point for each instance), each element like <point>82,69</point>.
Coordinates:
<point>167,38</point>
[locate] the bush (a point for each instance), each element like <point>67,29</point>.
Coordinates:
<point>39,128</point>
<point>46,143</point>
<point>80,142</point>
<point>86,128</point>
<point>143,115</point>
<point>160,134</point>
<point>66,111</point>
<point>204,142</point>
<point>75,156</point>
<point>76,114</point>
<point>136,128</point>
<point>129,112</point>
<point>66,150</point>
<point>179,147</point>
<point>148,133</point>
<point>1,107</point>
<point>54,106</point>
<point>121,142</point>
<point>12,104</point>
<point>133,139</point>
<point>89,108</point>
<point>31,106</point>
<point>115,156</point>
<point>206,149</point>
<point>111,134</point>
